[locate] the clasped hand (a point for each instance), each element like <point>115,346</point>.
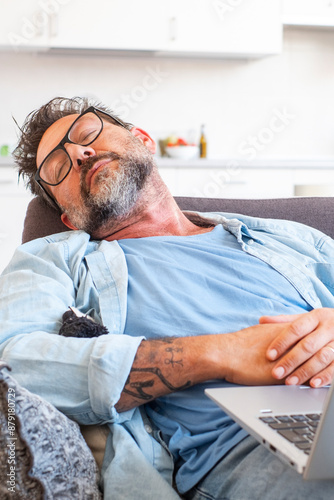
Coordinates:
<point>304,349</point>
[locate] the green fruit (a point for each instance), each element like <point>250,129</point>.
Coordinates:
<point>171,139</point>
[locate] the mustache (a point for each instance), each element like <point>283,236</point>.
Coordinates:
<point>90,162</point>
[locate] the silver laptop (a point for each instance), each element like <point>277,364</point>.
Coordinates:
<point>294,422</point>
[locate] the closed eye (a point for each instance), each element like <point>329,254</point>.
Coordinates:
<point>87,136</point>
<point>61,170</point>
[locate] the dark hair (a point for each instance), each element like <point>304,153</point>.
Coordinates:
<point>36,123</point>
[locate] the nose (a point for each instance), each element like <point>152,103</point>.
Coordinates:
<point>79,154</point>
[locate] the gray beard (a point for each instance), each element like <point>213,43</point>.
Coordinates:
<point>117,194</point>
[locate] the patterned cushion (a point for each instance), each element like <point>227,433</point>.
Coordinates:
<point>42,453</point>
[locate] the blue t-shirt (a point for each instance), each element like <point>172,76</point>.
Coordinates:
<point>194,285</point>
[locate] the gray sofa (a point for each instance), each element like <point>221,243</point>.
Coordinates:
<point>42,221</point>
<point>316,212</point>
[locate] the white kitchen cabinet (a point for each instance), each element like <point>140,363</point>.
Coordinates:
<point>109,24</point>
<point>308,13</point>
<point>170,27</point>
<point>229,182</point>
<point>239,178</point>
<point>14,199</point>
<point>235,28</point>
<point>313,176</point>
<point>24,25</point>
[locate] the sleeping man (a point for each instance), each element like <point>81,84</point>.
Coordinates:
<point>188,300</point>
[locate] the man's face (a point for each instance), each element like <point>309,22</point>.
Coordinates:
<point>106,178</point>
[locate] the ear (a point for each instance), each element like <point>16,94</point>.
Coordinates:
<point>144,138</point>
<point>65,220</point>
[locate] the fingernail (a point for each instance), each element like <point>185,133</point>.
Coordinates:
<point>272,354</point>
<point>292,381</point>
<point>279,371</point>
<point>316,382</point>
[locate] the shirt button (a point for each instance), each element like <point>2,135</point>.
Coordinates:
<point>148,428</point>
<point>250,242</point>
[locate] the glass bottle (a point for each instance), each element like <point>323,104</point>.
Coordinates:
<point>202,143</point>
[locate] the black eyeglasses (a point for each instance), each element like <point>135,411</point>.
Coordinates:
<point>84,131</point>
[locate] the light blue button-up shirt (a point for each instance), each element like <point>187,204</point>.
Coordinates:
<point>85,377</point>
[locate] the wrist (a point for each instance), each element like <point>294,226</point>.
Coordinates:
<point>210,356</point>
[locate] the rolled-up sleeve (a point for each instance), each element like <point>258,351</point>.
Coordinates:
<point>82,377</point>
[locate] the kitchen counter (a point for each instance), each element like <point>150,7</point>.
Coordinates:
<point>268,163</point>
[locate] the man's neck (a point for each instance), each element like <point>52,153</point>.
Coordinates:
<point>156,214</point>
<point>161,218</point>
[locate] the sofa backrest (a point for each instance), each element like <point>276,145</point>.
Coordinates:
<point>316,212</point>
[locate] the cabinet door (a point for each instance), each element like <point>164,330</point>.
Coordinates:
<point>308,12</point>
<point>230,182</point>
<point>110,24</point>
<point>23,24</point>
<point>224,27</point>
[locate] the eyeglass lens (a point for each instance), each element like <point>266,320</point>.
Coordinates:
<point>57,165</point>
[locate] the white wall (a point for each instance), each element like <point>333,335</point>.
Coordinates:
<point>237,100</point>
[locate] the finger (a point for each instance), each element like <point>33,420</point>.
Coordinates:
<point>280,318</point>
<point>305,360</point>
<point>294,332</point>
<point>325,377</point>
<point>319,370</point>
<point>305,349</point>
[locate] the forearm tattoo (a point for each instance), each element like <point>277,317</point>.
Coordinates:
<point>140,389</point>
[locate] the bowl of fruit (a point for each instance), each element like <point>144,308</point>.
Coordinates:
<point>180,149</point>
